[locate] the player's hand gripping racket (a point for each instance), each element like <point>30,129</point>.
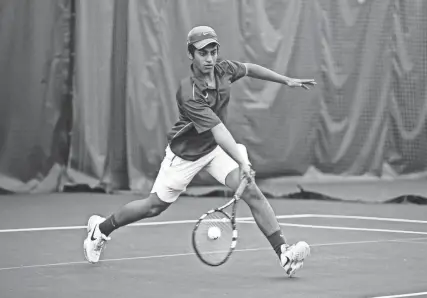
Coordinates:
<point>215,233</point>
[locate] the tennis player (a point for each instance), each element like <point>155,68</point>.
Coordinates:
<point>200,140</point>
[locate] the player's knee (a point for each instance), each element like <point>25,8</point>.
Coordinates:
<point>155,210</point>
<point>157,206</point>
<point>250,195</point>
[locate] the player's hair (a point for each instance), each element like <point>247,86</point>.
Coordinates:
<point>191,49</point>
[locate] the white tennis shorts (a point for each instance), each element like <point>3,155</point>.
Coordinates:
<point>176,173</point>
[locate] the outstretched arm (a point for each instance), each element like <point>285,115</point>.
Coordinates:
<point>259,72</point>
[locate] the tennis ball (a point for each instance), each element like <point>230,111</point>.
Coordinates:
<point>214,233</point>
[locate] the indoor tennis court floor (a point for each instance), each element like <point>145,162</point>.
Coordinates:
<point>358,250</point>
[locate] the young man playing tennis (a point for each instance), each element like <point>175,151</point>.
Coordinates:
<point>199,140</point>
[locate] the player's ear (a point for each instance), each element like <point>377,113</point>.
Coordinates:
<point>189,55</point>
<point>190,51</point>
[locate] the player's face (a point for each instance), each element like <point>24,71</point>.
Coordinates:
<point>205,58</point>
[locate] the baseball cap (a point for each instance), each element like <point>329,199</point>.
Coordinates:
<point>201,36</point>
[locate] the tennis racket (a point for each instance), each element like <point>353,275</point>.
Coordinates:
<point>215,233</point>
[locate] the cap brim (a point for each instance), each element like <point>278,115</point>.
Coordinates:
<point>203,43</point>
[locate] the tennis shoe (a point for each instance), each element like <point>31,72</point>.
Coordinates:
<point>95,242</point>
<point>292,257</point>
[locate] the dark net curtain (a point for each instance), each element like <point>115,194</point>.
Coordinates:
<point>366,116</point>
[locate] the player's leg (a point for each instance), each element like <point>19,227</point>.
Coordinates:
<point>174,176</point>
<point>261,210</point>
<point>100,228</point>
<point>227,172</point>
<point>224,169</point>
<point>134,211</point>
<point>291,256</point>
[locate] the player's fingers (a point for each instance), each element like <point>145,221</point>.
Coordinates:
<point>246,174</point>
<point>310,82</point>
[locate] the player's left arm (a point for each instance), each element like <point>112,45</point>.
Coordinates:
<point>259,72</point>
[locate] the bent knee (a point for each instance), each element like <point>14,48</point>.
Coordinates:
<point>155,210</point>
<point>250,193</point>
<point>157,206</point>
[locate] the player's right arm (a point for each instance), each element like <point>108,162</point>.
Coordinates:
<point>226,141</point>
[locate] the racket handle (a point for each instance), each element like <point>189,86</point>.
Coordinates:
<point>242,187</point>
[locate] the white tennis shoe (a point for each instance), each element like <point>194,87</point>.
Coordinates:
<point>292,257</point>
<point>95,241</point>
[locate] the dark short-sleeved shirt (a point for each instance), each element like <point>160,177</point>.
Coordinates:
<point>201,108</point>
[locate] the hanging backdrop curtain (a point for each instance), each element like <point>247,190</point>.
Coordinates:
<point>365,118</point>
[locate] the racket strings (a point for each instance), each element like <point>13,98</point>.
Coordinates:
<point>214,251</point>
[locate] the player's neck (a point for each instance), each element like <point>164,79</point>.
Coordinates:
<point>208,78</point>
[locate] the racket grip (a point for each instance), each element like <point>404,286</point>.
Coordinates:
<point>242,187</point>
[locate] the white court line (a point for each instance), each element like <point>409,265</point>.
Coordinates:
<point>367,218</point>
<point>192,253</point>
<point>158,223</point>
<point>155,223</point>
<point>342,228</point>
<point>410,241</point>
<point>352,229</point>
<point>403,295</point>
